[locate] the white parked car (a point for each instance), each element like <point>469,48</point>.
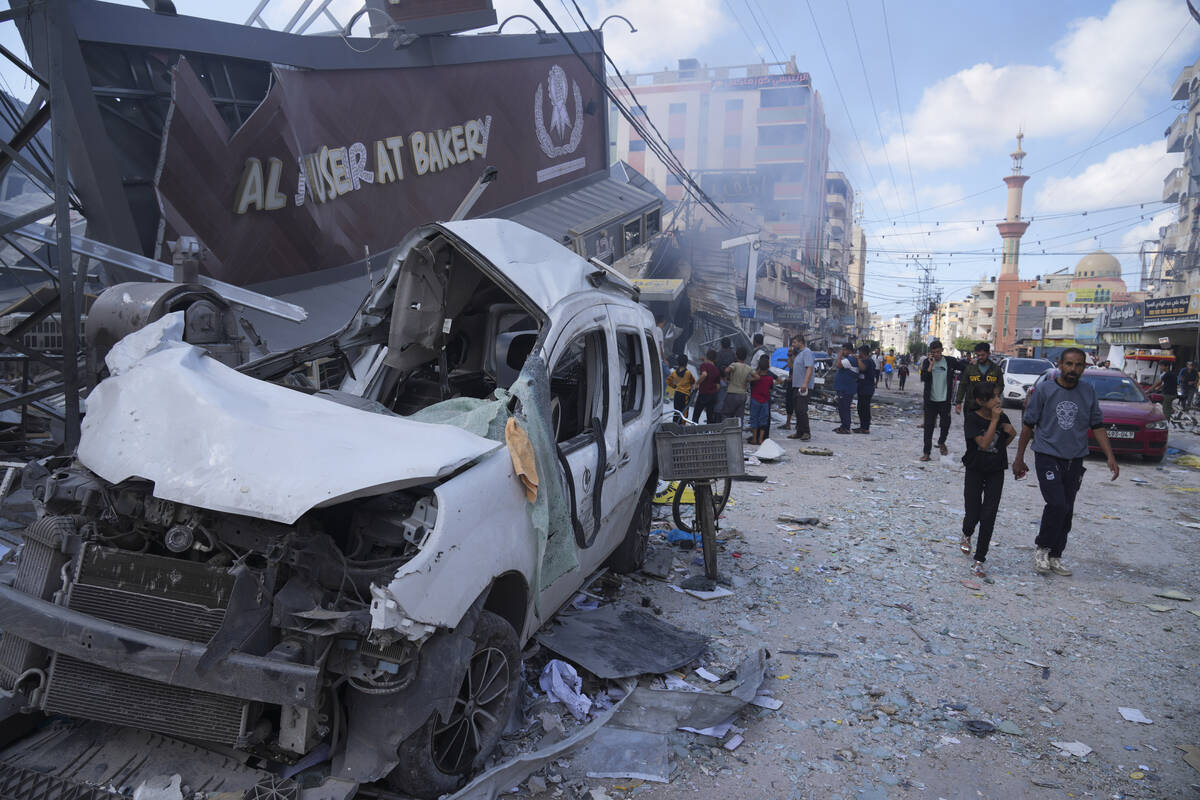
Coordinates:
<point>1019,375</point>
<point>235,558</point>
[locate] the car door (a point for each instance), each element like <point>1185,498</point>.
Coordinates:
<point>638,386</point>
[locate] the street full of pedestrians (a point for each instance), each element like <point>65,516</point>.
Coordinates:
<point>905,671</point>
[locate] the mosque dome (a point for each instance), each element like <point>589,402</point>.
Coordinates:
<point>1098,264</point>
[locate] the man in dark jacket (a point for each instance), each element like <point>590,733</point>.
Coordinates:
<point>983,370</point>
<point>868,376</point>
<point>937,377</point>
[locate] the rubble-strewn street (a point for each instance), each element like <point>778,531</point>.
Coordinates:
<point>917,651</point>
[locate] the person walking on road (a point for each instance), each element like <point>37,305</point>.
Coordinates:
<point>803,367</point>
<point>984,370</point>
<point>707,390</point>
<point>889,366</point>
<point>760,350</point>
<point>868,377</point>
<point>680,382</point>
<point>789,386</point>
<point>1188,377</point>
<point>937,378</point>
<point>902,371</point>
<point>1168,384</point>
<point>1057,418</point>
<point>988,432</point>
<point>737,380</point>
<point>845,383</point>
<point>725,357</point>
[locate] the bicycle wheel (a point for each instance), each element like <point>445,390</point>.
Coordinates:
<point>683,509</point>
<point>706,521</point>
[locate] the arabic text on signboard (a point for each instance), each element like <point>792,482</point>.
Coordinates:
<point>762,82</point>
<point>1126,315</point>
<point>1165,308</point>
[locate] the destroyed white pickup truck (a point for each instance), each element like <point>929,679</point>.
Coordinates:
<point>349,576</point>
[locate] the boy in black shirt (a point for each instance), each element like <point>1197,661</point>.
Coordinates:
<point>988,432</point>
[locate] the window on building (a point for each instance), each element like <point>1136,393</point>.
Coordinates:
<point>677,108</point>
<point>774,135</point>
<point>1026,302</point>
<point>775,98</point>
<point>1054,304</point>
<point>1040,303</point>
<point>733,140</point>
<point>633,234</point>
<point>653,223</point>
<point>1056,324</point>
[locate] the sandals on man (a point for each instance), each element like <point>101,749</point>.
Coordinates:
<point>964,544</point>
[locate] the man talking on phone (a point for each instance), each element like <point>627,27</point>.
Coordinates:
<point>1057,418</point>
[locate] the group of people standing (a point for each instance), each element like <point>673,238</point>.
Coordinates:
<point>729,385</point>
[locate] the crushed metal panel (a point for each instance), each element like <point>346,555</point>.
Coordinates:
<point>211,437</point>
<point>620,642</point>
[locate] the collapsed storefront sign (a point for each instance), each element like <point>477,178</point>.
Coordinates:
<point>337,161</point>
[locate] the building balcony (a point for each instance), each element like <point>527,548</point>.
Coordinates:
<point>779,115</point>
<point>776,290</point>
<point>1179,91</point>
<point>835,203</point>
<point>1174,237</point>
<point>1175,185</point>
<point>1177,133</point>
<point>780,153</point>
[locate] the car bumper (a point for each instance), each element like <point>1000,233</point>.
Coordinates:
<point>1144,442</point>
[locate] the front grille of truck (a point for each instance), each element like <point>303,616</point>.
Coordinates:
<point>167,596</point>
<point>39,574</point>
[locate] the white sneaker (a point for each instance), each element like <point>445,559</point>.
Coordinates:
<point>1057,567</point>
<point>1041,560</point>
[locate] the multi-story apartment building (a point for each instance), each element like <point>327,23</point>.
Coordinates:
<point>891,333</point>
<point>947,322</point>
<point>1171,263</point>
<point>751,133</point>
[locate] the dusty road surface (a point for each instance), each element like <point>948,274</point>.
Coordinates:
<point>922,646</point>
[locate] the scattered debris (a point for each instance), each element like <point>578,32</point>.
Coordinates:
<point>1009,727</point>
<point>734,742</point>
<point>818,653</point>
<point>560,680</point>
<point>816,451</point>
<point>1191,755</point>
<point>979,727</point>
<point>1073,748</point>
<point>1134,715</point>
<point>1174,594</point>
<point>161,787</point>
<point>769,450</point>
<point>716,593</point>
<point>616,752</point>
<point>1159,608</point>
<point>618,642</point>
<point>796,519</point>
<point>659,561</point>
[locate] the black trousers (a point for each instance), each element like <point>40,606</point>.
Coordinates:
<point>706,404</point>
<point>936,412</point>
<point>801,409</point>
<point>681,403</point>
<point>1059,479</point>
<point>981,499</point>
<point>844,399</point>
<point>864,411</point>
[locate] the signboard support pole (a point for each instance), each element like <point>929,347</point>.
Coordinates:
<point>68,313</point>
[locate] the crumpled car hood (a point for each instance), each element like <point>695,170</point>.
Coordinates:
<point>211,437</point>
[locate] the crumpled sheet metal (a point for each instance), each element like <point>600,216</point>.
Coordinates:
<point>488,785</point>
<point>209,436</point>
<point>616,641</point>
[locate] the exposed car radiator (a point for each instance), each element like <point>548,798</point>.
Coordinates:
<point>168,596</point>
<point>39,574</point>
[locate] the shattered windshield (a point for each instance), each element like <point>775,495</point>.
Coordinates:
<point>1111,387</point>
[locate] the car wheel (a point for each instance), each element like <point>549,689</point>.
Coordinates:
<point>630,554</point>
<point>1153,458</point>
<point>441,755</point>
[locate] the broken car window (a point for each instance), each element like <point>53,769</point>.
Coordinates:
<point>577,388</point>
<point>656,365</point>
<point>633,373</point>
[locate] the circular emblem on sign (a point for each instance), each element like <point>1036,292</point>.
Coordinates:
<point>561,125</point>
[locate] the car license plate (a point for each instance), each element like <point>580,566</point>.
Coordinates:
<point>1120,434</point>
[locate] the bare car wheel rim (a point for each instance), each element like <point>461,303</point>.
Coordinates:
<point>484,691</point>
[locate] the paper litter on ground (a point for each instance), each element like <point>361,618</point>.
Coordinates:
<point>1073,748</point>
<point>1134,715</point>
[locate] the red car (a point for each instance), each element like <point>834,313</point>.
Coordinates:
<point>1135,424</point>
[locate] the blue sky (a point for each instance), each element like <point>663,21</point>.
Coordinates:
<point>1087,78</point>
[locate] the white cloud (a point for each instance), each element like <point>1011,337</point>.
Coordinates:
<point>1133,175</point>
<point>666,29</point>
<point>1134,237</point>
<point>980,108</point>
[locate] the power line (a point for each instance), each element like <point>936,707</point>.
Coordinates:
<point>766,38</point>
<point>900,111</point>
<point>871,95</point>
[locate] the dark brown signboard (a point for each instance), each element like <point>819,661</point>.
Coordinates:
<point>336,163</point>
